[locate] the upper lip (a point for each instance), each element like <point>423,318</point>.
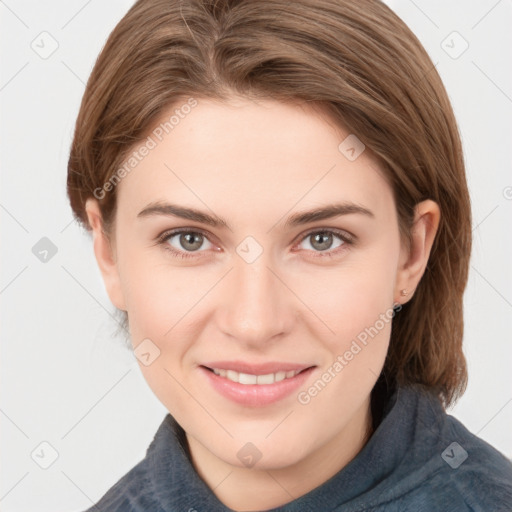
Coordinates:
<point>257,369</point>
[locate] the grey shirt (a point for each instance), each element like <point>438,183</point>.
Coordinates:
<point>418,459</point>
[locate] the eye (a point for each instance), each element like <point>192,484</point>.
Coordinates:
<point>321,242</point>
<point>184,242</point>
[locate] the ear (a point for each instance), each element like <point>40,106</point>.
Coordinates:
<point>413,260</point>
<point>105,255</point>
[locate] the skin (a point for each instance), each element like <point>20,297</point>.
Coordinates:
<point>254,164</point>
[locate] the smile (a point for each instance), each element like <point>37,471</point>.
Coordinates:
<point>247,378</point>
<point>255,385</point>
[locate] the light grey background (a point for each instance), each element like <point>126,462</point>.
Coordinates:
<point>65,379</point>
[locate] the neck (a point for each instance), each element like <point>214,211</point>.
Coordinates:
<point>244,489</point>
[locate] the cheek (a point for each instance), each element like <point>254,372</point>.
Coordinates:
<point>164,305</point>
<point>353,295</point>
<point>356,305</point>
<point>158,293</point>
<point>161,303</point>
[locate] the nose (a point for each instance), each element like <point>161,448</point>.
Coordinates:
<point>258,307</point>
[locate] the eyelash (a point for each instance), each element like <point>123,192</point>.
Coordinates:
<point>342,235</point>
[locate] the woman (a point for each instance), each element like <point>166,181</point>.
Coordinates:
<point>279,207</point>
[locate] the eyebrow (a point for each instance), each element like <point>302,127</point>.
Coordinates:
<point>297,219</point>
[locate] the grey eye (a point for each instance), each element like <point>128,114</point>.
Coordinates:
<point>188,241</point>
<point>323,240</point>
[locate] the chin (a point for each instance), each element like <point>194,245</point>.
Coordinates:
<point>265,452</point>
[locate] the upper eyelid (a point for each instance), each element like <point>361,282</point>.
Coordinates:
<point>173,232</point>
<point>342,233</point>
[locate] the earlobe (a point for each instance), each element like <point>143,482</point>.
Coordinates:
<point>414,259</point>
<point>105,255</point>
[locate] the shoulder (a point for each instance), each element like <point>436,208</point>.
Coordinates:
<point>464,472</point>
<point>477,470</point>
<point>132,492</point>
<point>148,485</point>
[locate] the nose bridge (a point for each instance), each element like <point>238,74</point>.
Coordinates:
<point>257,306</point>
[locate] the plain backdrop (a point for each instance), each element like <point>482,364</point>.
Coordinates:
<point>72,397</point>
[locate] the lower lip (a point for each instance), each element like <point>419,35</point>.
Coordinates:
<point>255,395</point>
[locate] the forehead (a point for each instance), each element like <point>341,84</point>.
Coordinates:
<point>250,156</point>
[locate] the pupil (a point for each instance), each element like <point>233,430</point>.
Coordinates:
<point>190,238</point>
<point>327,240</point>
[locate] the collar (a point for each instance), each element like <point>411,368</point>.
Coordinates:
<point>411,413</point>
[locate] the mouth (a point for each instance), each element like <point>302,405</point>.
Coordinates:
<point>250,379</point>
<point>255,385</point>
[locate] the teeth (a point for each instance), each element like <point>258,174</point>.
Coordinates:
<point>247,378</point>
<point>280,376</point>
<point>266,379</point>
<point>232,375</point>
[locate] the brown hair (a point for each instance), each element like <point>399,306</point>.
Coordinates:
<point>358,61</point>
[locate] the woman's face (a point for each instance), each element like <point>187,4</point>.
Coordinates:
<point>254,288</point>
